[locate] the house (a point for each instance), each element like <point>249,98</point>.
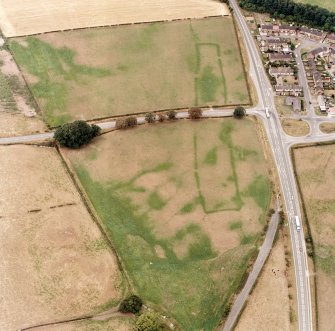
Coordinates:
<point>322,103</point>
<point>274,57</point>
<point>265,29</point>
<point>281,71</point>
<point>331,111</point>
<point>320,51</point>
<point>274,44</point>
<point>288,29</point>
<point>294,102</point>
<point>312,34</point>
<point>331,38</point>
<point>294,90</point>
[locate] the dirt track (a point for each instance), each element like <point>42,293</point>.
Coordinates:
<point>30,17</point>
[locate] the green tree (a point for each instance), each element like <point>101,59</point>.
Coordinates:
<point>131,304</point>
<point>239,112</point>
<point>171,115</point>
<point>195,113</point>
<point>150,117</point>
<point>148,322</point>
<point>76,134</point>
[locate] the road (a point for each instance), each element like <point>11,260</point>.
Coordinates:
<point>258,265</point>
<point>285,172</point>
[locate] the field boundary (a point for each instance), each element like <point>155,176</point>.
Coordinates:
<point>116,25</point>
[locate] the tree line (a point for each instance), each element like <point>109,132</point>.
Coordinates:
<point>313,16</point>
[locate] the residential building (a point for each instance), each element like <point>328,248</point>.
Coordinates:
<point>294,102</point>
<point>331,38</point>
<point>320,51</point>
<point>331,111</point>
<point>280,57</point>
<point>281,71</point>
<point>322,103</point>
<point>276,44</point>
<point>293,90</point>
<point>313,34</point>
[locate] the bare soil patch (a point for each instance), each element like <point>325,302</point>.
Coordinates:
<point>315,167</point>
<point>268,306</point>
<point>36,16</point>
<point>296,128</point>
<point>54,259</point>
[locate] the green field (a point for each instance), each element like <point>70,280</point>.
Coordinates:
<point>184,205</point>
<point>103,72</point>
<point>328,4</point>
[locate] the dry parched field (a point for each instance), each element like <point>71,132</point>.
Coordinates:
<point>184,204</point>
<point>30,17</point>
<point>315,167</point>
<point>104,72</point>
<point>55,263</point>
<point>268,306</point>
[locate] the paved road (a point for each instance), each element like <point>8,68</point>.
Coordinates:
<point>258,265</point>
<point>285,172</point>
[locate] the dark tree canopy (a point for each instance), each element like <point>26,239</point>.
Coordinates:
<point>171,115</point>
<point>195,113</point>
<point>150,117</point>
<point>291,11</point>
<point>76,134</point>
<point>131,304</point>
<point>239,112</point>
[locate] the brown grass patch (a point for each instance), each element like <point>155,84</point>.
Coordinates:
<point>55,260</point>
<point>268,306</point>
<point>328,127</point>
<point>296,128</point>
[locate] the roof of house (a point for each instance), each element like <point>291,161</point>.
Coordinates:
<point>319,50</point>
<point>266,26</point>
<point>331,37</point>
<point>311,31</point>
<point>288,88</point>
<point>281,70</point>
<point>294,102</point>
<point>279,57</point>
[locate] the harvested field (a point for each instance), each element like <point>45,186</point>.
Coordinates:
<point>268,306</point>
<point>315,167</point>
<point>55,263</point>
<point>104,72</point>
<point>296,128</point>
<point>328,127</point>
<point>31,17</point>
<point>184,204</point>
<point>17,112</point>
